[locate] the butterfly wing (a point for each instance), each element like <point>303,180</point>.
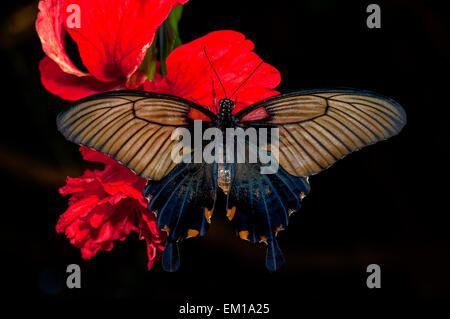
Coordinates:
<point>259,206</point>
<point>319,127</point>
<point>316,128</point>
<point>135,129</point>
<point>132,127</point>
<point>183,203</point>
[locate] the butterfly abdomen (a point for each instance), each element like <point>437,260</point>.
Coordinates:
<point>224,177</point>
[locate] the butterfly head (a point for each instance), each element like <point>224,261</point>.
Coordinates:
<point>225,116</point>
<point>226,106</point>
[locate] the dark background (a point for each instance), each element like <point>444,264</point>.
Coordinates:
<point>386,204</point>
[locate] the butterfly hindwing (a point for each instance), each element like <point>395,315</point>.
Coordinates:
<point>183,202</point>
<point>259,201</point>
<point>259,205</point>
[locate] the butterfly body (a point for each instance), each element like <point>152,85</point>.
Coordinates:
<point>224,177</point>
<point>316,128</point>
<point>225,118</point>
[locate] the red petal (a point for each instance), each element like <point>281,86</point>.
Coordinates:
<point>71,87</point>
<point>115,179</point>
<point>94,156</point>
<point>74,185</point>
<point>114,35</point>
<point>189,73</point>
<point>50,28</point>
<point>136,80</point>
<point>96,220</point>
<point>88,253</point>
<point>122,187</point>
<point>105,233</point>
<point>153,236</point>
<point>74,211</point>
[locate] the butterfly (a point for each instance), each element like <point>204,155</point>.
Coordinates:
<point>315,128</point>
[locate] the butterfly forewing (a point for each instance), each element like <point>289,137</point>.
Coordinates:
<point>132,127</point>
<point>317,128</point>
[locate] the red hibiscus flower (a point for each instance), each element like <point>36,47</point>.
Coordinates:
<point>106,206</point>
<point>190,75</point>
<point>112,37</point>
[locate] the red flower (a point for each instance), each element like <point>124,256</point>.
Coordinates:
<point>106,206</point>
<point>112,38</point>
<point>189,74</point>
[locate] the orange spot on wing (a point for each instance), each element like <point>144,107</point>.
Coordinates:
<point>231,212</point>
<point>278,229</point>
<point>243,234</point>
<point>208,214</point>
<point>192,232</point>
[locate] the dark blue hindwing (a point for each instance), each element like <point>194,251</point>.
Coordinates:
<point>181,202</point>
<point>259,206</point>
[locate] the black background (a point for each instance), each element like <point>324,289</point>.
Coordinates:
<point>386,204</point>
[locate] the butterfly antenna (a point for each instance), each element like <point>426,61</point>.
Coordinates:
<point>246,79</point>
<point>212,66</point>
<point>214,95</point>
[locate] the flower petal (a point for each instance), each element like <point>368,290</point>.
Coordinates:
<point>71,87</point>
<point>154,237</point>
<point>50,28</point>
<point>115,179</point>
<point>106,206</point>
<point>190,75</point>
<point>114,35</point>
<point>75,211</point>
<point>94,156</point>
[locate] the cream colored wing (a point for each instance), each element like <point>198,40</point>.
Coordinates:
<point>132,127</point>
<point>317,128</point>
